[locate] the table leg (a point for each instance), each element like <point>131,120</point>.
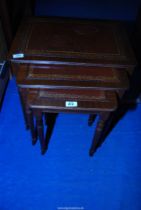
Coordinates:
<point>91,119</point>
<point>120,94</point>
<point>32,127</point>
<point>51,119</point>
<point>100,130</point>
<point>23,95</point>
<point>40,130</point>
<point>48,118</point>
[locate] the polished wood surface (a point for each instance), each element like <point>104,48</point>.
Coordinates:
<point>68,40</point>
<point>101,103</point>
<point>49,76</point>
<point>87,100</point>
<point>58,60</point>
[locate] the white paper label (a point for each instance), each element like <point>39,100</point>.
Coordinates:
<point>19,55</point>
<point>71,104</point>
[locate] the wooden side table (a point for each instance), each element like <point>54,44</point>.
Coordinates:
<point>53,55</point>
<point>103,78</point>
<point>98,102</point>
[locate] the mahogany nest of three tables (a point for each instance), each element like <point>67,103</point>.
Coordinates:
<point>72,66</point>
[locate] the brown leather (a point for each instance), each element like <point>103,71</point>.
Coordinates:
<point>71,76</point>
<point>88,101</point>
<point>67,60</point>
<point>69,40</point>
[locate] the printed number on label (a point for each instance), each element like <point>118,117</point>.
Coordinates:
<point>19,55</point>
<point>71,104</point>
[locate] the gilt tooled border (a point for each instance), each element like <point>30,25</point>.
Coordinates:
<point>66,96</point>
<point>46,76</point>
<point>71,54</point>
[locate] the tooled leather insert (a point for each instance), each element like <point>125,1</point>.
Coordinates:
<point>73,94</point>
<point>64,37</point>
<point>73,73</point>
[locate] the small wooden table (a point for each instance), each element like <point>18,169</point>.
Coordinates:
<point>72,56</point>
<point>96,102</point>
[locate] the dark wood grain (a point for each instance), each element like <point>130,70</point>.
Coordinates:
<point>88,100</point>
<point>101,103</point>
<point>52,76</point>
<point>81,61</point>
<point>100,129</point>
<point>48,40</point>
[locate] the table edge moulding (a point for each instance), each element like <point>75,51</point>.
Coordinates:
<point>72,66</point>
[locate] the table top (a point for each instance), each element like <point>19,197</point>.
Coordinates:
<point>78,77</point>
<point>72,41</point>
<point>84,101</point>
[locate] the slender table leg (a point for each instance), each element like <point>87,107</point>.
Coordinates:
<point>100,129</point>
<point>91,119</point>
<point>51,119</point>
<point>48,118</point>
<point>121,94</point>
<point>32,128</point>
<point>40,130</point>
<point>23,95</point>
